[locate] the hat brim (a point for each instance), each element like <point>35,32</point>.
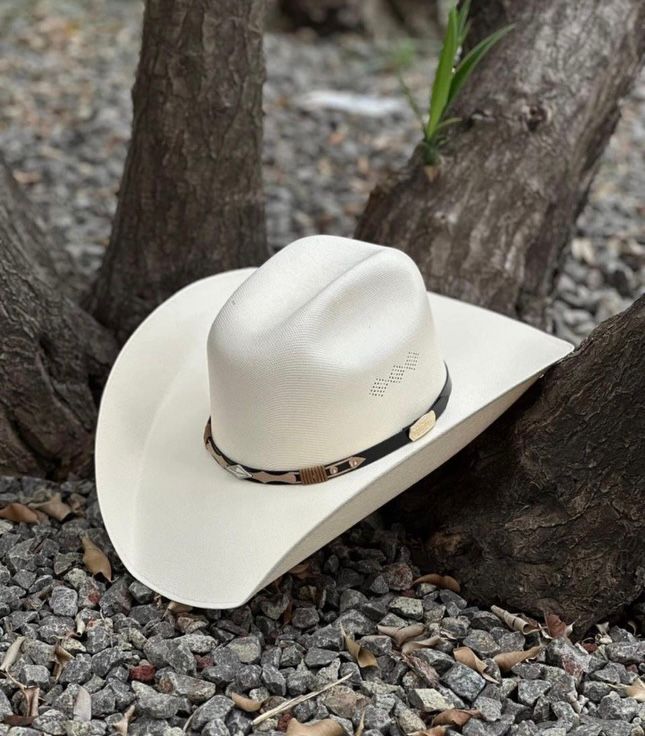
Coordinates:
<point>190,530</point>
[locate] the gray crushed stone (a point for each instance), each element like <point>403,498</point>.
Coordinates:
<point>177,671</point>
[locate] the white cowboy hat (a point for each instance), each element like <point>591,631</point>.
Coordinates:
<point>336,382</point>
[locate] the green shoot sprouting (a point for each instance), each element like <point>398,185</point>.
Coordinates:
<point>451,75</point>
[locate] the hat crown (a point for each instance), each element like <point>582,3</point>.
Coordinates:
<point>324,351</point>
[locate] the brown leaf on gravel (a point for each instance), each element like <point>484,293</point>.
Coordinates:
<point>31,696</point>
<point>95,559</point>
<point>18,512</point>
<point>434,731</point>
<point>441,581</point>
<point>302,571</point>
<point>422,668</point>
<point>523,624</point>
<point>636,690</point>
<point>400,636</point>
<point>412,646</point>
<point>248,705</point>
<point>122,725</point>
<point>11,655</point>
<point>466,656</point>
<point>54,507</point>
<point>556,627</point>
<point>61,658</point>
<point>326,727</point>
<point>362,656</point>
<point>507,660</point>
<point>455,717</point>
<point>26,177</point>
<point>12,719</point>
<point>177,608</point>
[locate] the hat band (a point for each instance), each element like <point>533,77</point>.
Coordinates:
<point>321,473</point>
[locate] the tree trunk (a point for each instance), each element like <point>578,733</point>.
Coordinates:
<point>191,201</point>
<point>53,357</point>
<point>21,225</point>
<point>488,223</point>
<point>545,509</point>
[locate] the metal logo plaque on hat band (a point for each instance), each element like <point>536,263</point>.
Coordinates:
<point>331,347</point>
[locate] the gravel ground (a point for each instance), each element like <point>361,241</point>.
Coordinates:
<point>98,650</point>
<point>67,68</point>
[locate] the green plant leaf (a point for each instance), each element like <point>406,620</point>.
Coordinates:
<point>411,101</point>
<point>443,76</point>
<point>463,13</point>
<point>446,123</point>
<point>470,61</point>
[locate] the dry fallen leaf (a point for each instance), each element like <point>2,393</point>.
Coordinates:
<point>54,507</point>
<point>18,512</point>
<point>455,717</point>
<point>11,655</point>
<point>61,658</point>
<point>411,646</point>
<point>95,559</point>
<point>82,705</point>
<point>636,690</point>
<point>522,624</point>
<point>422,668</point>
<point>26,177</point>
<point>32,696</point>
<point>400,636</point>
<point>507,660</point>
<point>466,656</point>
<point>434,731</point>
<point>441,581</point>
<point>121,726</point>
<point>327,727</point>
<point>302,571</point>
<point>362,656</point>
<point>248,705</point>
<point>555,628</point>
<point>177,608</point>
<point>11,719</point>
<point>602,637</point>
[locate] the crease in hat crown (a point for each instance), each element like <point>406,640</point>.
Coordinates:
<point>326,349</point>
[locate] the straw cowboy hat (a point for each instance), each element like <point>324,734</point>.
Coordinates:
<point>257,414</point>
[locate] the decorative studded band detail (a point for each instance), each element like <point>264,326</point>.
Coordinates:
<point>322,473</point>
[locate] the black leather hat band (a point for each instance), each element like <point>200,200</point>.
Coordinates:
<point>321,473</point>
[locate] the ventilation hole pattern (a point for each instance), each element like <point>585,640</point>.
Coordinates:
<point>396,374</point>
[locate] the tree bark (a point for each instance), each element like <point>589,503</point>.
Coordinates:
<point>487,224</point>
<point>191,200</point>
<point>53,357</point>
<point>21,225</point>
<point>544,511</point>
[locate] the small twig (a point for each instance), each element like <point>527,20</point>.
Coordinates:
<point>297,700</point>
<point>188,720</point>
